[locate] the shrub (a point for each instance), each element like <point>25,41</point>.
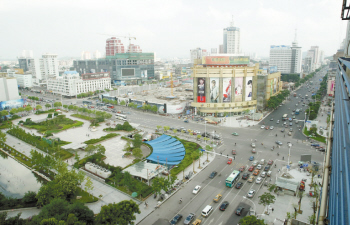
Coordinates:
<point>55,114</point>
<point>49,115</point>
<point>94,141</point>
<point>29,197</point>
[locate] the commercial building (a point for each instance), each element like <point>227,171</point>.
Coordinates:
<point>71,84</point>
<point>287,59</point>
<point>8,89</point>
<point>231,40</point>
<point>226,84</point>
<point>23,80</point>
<point>197,53</point>
<point>127,67</point>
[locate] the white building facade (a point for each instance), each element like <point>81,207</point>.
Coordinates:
<point>198,53</point>
<point>44,68</point>
<point>231,40</point>
<point>8,89</point>
<point>287,59</point>
<point>71,84</point>
<point>23,80</point>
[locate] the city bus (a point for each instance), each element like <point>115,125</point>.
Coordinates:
<point>297,112</point>
<point>120,117</point>
<point>234,176</point>
<point>110,106</point>
<point>285,117</point>
<point>87,102</point>
<point>100,104</point>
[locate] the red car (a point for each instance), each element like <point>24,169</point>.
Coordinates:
<point>267,128</point>
<point>242,168</point>
<point>229,161</point>
<point>270,162</point>
<point>251,169</point>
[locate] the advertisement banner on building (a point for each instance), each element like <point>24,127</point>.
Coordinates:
<point>201,90</point>
<point>248,89</point>
<point>226,89</point>
<point>144,73</point>
<point>7,105</point>
<point>271,87</point>
<point>214,90</point>
<point>175,109</point>
<point>330,87</point>
<point>274,85</point>
<point>225,60</point>
<point>238,89</point>
<point>89,76</point>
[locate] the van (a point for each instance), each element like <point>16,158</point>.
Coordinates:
<point>207,210</point>
<point>269,173</point>
<point>262,162</point>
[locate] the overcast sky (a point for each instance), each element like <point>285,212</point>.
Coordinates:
<point>168,28</point>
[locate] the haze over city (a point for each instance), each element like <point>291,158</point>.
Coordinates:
<point>168,28</point>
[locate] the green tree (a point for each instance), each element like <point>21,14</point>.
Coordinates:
<point>4,113</point>
<point>71,107</point>
<point>50,221</point>
<point>82,212</point>
<point>166,128</point>
<point>137,142</point>
<point>28,108</point>
<point>29,197</point>
<point>122,103</point>
<point>175,131</point>
<point>251,220</point>
<point>137,153</point>
<point>88,185</point>
<point>159,127</point>
<point>154,108</point>
<point>266,199</point>
<point>13,111</point>
<point>2,137</point>
<point>39,107</point>
<point>99,149</point>
<point>65,106</point>
<point>121,213</point>
<point>47,105</point>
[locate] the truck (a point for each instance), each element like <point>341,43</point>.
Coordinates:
<point>295,94</point>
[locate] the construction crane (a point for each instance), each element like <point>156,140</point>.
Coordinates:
<point>112,35</point>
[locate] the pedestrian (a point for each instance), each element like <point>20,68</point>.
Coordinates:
<point>272,209</point>
<point>235,143</point>
<point>234,157</point>
<point>227,155</point>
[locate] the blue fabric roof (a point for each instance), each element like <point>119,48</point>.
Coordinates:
<point>166,150</point>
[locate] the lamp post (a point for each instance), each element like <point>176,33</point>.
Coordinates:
<point>205,131</point>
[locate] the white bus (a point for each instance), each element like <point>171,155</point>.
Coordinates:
<point>120,117</point>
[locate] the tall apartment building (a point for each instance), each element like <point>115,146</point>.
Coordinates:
<point>197,53</point>
<point>287,59</point>
<point>85,55</point>
<point>231,42</point>
<point>114,46</point>
<point>8,89</point>
<point>71,84</point>
<point>221,49</point>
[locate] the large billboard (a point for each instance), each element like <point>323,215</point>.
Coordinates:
<point>214,90</point>
<point>225,60</point>
<point>274,85</point>
<point>249,89</point>
<point>8,105</point>
<point>201,90</point>
<point>88,76</point>
<point>238,89</point>
<point>226,90</point>
<point>128,71</point>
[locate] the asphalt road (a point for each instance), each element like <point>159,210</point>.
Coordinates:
<point>212,187</point>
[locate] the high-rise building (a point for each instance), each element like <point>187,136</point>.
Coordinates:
<point>221,49</point>
<point>97,54</point>
<point>27,54</point>
<point>287,59</point>
<point>44,68</point>
<point>197,53</point>
<point>85,55</point>
<point>8,89</point>
<point>214,51</point>
<point>231,42</point>
<point>134,48</point>
<point>113,46</point>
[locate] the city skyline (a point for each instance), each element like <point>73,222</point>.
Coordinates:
<point>170,30</point>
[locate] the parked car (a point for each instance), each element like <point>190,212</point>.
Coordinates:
<point>255,163</point>
<point>253,150</point>
<point>278,121</point>
<point>256,172</point>
<point>259,167</point>
<point>251,179</point>
<point>176,219</point>
<point>251,158</point>
<point>224,205</point>
<point>262,126</point>
<point>213,174</point>
<point>267,168</point>
<point>239,185</point>
<point>189,218</point>
<point>251,193</point>
<point>258,180</point>
<point>196,189</point>
<point>267,127</point>
<point>270,162</point>
<point>242,168</point>
<point>271,119</point>
<point>239,210</point>
<point>235,134</point>
<point>251,169</point>
<point>279,142</point>
<point>233,152</point>
<point>217,198</point>
<point>245,176</point>
<point>282,130</point>
<point>271,128</point>
<point>229,161</point>
<point>253,145</point>
<point>263,174</point>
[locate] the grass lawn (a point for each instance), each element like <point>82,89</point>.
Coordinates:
<point>317,138</point>
<point>83,117</point>
<point>94,141</point>
<point>86,197</point>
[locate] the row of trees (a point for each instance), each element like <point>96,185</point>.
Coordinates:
<point>89,112</point>
<point>315,107</point>
<point>276,100</point>
<point>88,94</point>
<point>60,212</point>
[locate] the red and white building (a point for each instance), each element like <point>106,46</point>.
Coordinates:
<point>114,46</point>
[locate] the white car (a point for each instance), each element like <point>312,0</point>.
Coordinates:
<point>263,174</point>
<point>258,180</point>
<point>196,189</point>
<point>259,167</point>
<point>271,128</point>
<point>262,127</point>
<point>255,163</point>
<point>251,193</point>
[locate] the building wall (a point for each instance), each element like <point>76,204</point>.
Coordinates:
<point>8,89</point>
<point>224,74</point>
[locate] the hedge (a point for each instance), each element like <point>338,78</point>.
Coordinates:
<point>94,141</point>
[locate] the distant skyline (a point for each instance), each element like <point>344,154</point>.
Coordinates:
<point>168,28</point>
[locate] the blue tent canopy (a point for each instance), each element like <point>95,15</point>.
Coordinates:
<point>166,150</point>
